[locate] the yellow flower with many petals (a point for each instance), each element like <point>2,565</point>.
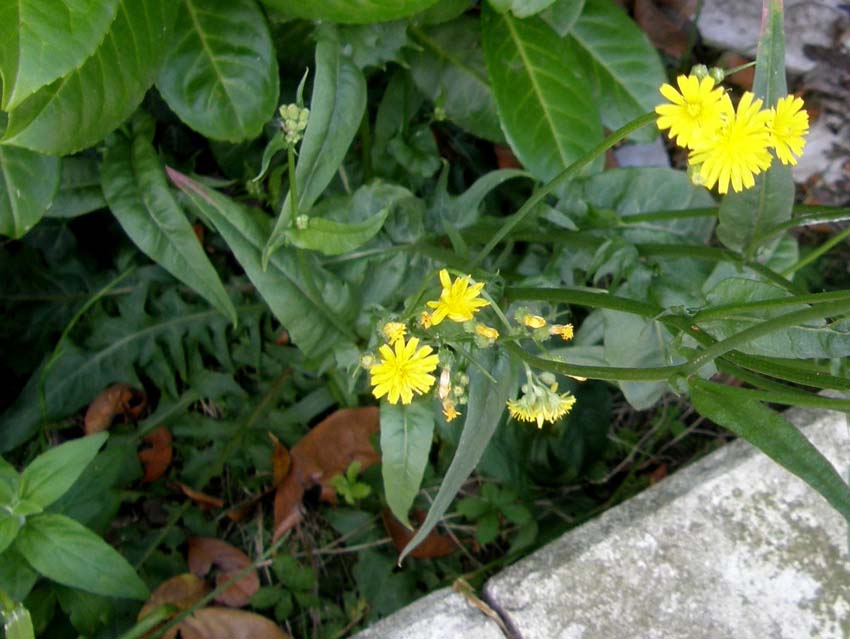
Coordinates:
<point>404,370</point>
<point>450,411</point>
<point>564,331</point>
<point>695,110</point>
<point>394,331</point>
<point>739,149</point>
<point>459,300</point>
<point>540,402</point>
<point>788,123</point>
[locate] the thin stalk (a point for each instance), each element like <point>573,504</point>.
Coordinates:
<point>664,216</point>
<point>293,189</point>
<point>818,252</point>
<point>787,398</point>
<point>808,215</point>
<point>793,374</point>
<point>729,311</point>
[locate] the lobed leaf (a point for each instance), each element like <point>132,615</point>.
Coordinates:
<point>28,184</point>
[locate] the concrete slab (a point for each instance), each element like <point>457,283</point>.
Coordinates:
<point>733,547</point>
<point>443,614</point>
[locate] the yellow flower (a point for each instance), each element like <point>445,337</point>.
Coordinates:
<point>425,320</point>
<point>565,331</point>
<point>788,123</point>
<point>450,411</point>
<point>394,331</point>
<point>695,110</point>
<point>459,300</point>
<point>739,149</point>
<point>533,321</point>
<point>486,332</point>
<point>403,370</point>
<point>540,404</point>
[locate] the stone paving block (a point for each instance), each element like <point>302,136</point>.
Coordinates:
<point>733,547</point>
<point>443,614</point>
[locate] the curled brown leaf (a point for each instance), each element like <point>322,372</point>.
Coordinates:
<point>206,552</point>
<point>156,458</point>
<point>120,399</point>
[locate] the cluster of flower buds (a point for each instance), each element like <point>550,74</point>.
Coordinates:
<point>294,122</point>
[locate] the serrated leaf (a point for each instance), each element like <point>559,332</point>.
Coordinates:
<point>350,11</point>
<point>406,435</point>
<point>39,44</point>
<point>625,70</point>
<point>69,553</point>
<point>314,324</point>
<point>28,184</point>
<point>135,187</point>
<point>335,238</point>
<point>51,474</point>
<point>449,69</point>
<point>79,188</point>
<point>777,438</point>
<point>546,111</point>
<point>520,8</point>
<point>336,110</point>
<point>220,77</point>
<point>744,217</point>
<point>79,109</point>
<point>484,411</point>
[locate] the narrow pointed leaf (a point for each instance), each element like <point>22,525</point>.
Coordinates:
<point>546,111</point>
<point>221,75</point>
<point>335,238</point>
<point>135,187</point>
<point>79,188</point>
<point>28,183</point>
<point>350,11</point>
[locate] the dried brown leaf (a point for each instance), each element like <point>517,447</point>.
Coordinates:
<point>206,552</point>
<point>667,23</point>
<point>433,546</point>
<point>281,461</point>
<point>116,400</point>
<point>156,458</point>
<point>226,623</point>
<point>182,591</point>
<point>203,500</point>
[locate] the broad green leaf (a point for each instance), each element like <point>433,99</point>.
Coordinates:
<point>745,216</point>
<point>135,187</point>
<point>28,184</point>
<point>79,109</point>
<point>335,238</point>
<point>562,15</point>
<point>484,411</point>
<point>376,44</point>
<point>9,526</point>
<point>221,75</point>
<point>449,69</point>
<point>41,43</point>
<point>16,576</point>
<point>350,11</point>
<point>315,318</point>
<point>17,623</point>
<point>459,211</point>
<point>520,8</point>
<point>443,11</point>
<point>79,188</point>
<point>406,435</point>
<point>51,474</point>
<point>546,110</point>
<point>69,553</point>
<point>624,68</point>
<point>336,110</point>
<point>777,438</point>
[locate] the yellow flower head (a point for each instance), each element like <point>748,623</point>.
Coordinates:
<point>394,331</point>
<point>565,331</point>
<point>487,332</point>
<point>425,320</point>
<point>695,109</point>
<point>533,321</point>
<point>403,370</point>
<point>540,404</point>
<point>788,123</point>
<point>459,300</point>
<point>450,411</point>
<point>739,149</point>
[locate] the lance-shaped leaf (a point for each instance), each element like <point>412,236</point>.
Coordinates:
<point>40,43</point>
<point>546,111</point>
<point>135,187</point>
<point>221,76</point>
<point>335,238</point>
<point>80,108</point>
<point>350,11</point>
<point>744,217</point>
<point>79,188</point>
<point>336,109</point>
<point>28,183</point>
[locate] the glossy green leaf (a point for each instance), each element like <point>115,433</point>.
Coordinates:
<point>51,474</point>
<point>376,44</point>
<point>79,109</point>
<point>520,8</point>
<point>350,11</point>
<point>745,217</point>
<point>134,184</point>
<point>17,623</point>
<point>335,238</point>
<point>16,576</point>
<point>562,15</point>
<point>40,43</point>
<point>546,111</point>
<point>776,437</point>
<point>406,435</point>
<point>28,184</point>
<point>9,526</point>
<point>79,188</point>
<point>69,553</point>
<point>316,318</point>
<point>221,75</point>
<point>336,110</point>
<point>484,411</point>
<point>449,69</point>
<point>625,70</point>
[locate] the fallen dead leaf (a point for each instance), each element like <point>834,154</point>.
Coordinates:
<point>281,461</point>
<point>226,623</point>
<point>433,546</point>
<point>667,23</point>
<point>326,451</point>
<point>120,399</point>
<point>182,591</point>
<point>206,552</point>
<point>203,500</point>
<point>505,157</point>
<point>157,457</point>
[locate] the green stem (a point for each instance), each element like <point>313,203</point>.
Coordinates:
<point>741,67</point>
<point>731,311</point>
<point>808,214</point>
<point>818,252</point>
<point>664,216</point>
<point>787,398</point>
<point>293,189</point>
<point>567,174</point>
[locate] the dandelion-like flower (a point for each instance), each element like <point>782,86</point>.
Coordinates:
<point>739,149</point>
<point>425,320</point>
<point>564,331</point>
<point>695,111</point>
<point>450,411</point>
<point>404,370</point>
<point>394,331</point>
<point>459,300</point>
<point>540,403</point>
<point>788,124</point>
<point>533,321</point>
